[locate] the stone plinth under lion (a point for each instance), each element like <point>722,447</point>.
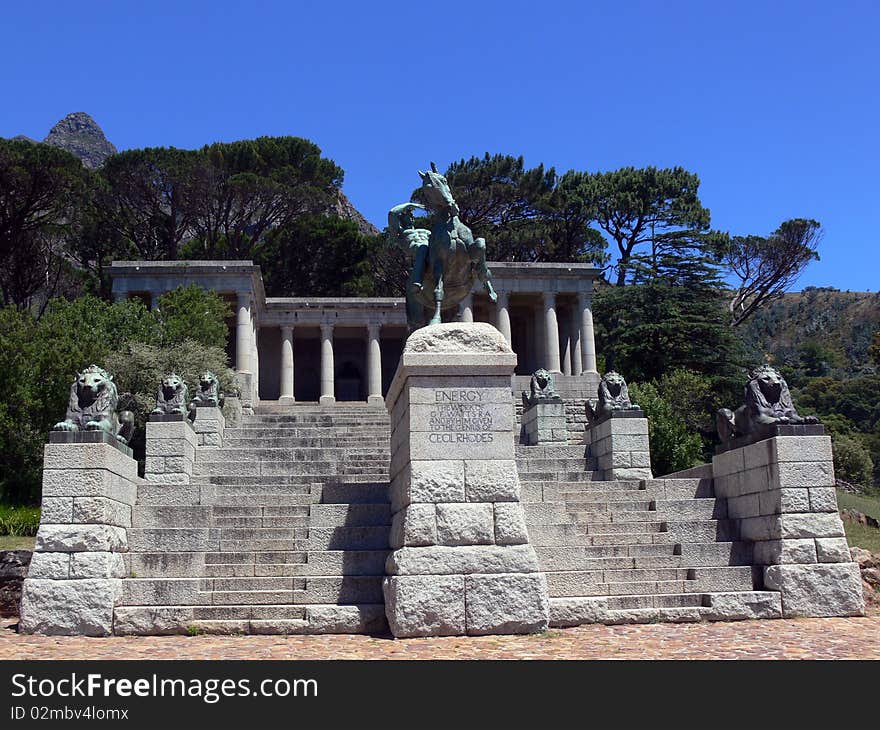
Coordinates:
<point>461,560</point>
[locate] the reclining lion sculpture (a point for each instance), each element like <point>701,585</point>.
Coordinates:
<point>767,402</point>
<point>92,406</point>
<point>172,395</point>
<point>613,396</point>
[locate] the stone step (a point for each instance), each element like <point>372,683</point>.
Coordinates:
<point>551,451</point>
<point>258,522</point>
<point>619,499</point>
<point>195,592</point>
<point>572,535</point>
<point>376,445</point>
<point>622,557</point>
<point>701,530</point>
<point>702,554</point>
<point>714,606</point>
<point>314,469</point>
<point>592,517</point>
<point>679,488</point>
<point>303,482</point>
<point>649,582</point>
<point>324,454</point>
<point>622,527</point>
<point>356,618</point>
<point>562,464</point>
<point>261,511</point>
<point>572,476</point>
<point>348,515</point>
<point>691,509</point>
<point>233,612</point>
<point>296,563</point>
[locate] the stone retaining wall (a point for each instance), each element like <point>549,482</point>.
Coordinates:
<point>781,493</point>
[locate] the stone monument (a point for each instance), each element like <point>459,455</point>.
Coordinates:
<point>617,432</point>
<point>170,438</point>
<point>461,560</point>
<point>776,470</point>
<point>543,418</point>
<point>89,488</point>
<point>446,259</point>
<point>206,411</point>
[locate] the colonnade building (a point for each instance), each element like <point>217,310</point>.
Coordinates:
<point>290,350</point>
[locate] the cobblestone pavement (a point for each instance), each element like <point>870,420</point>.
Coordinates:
<point>836,638</point>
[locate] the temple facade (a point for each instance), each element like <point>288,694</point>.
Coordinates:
<point>291,350</point>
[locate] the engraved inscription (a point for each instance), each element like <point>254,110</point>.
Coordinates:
<point>458,417</point>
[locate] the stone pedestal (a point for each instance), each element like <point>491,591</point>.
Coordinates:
<point>781,493</point>
<point>209,425</point>
<point>619,443</point>
<point>75,576</point>
<point>543,422</point>
<point>171,449</point>
<point>246,386</point>
<point>462,563</point>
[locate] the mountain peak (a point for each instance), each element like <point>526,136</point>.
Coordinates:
<point>80,135</point>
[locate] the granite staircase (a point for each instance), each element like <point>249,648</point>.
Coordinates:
<point>289,533</point>
<point>633,551</point>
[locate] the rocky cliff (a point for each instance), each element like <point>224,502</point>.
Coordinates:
<point>80,135</point>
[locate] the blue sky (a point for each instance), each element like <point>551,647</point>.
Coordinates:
<point>774,104</point>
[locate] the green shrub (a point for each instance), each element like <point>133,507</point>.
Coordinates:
<point>674,446</point>
<point>138,369</point>
<point>852,461</point>
<point>193,313</point>
<point>19,521</point>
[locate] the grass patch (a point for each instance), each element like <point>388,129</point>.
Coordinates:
<point>867,538</point>
<point>16,543</point>
<point>868,504</point>
<point>19,521</point>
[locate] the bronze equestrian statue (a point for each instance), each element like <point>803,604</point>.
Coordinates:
<point>446,259</point>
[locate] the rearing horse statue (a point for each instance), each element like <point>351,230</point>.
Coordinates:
<point>446,259</point>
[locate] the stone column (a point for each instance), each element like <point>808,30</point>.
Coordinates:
<point>503,314</point>
<point>328,369</point>
<point>287,365</point>
<point>551,334</point>
<point>243,337</point>
<point>461,560</point>
<point>588,341</point>
<point>565,343</point>
<point>243,333</point>
<point>575,336</point>
<point>780,493</point>
<point>466,313</point>
<point>255,360</point>
<point>74,582</point>
<point>374,365</point>
<point>539,340</point>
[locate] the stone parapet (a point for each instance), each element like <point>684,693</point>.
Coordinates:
<point>544,422</point>
<point>780,491</point>
<point>209,425</point>
<point>619,443</point>
<point>170,449</point>
<point>75,576</point>
<point>461,560</point>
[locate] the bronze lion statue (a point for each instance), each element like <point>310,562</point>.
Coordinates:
<point>767,402</point>
<point>172,395</point>
<point>541,387</point>
<point>208,393</point>
<point>613,396</point>
<point>92,406</point>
